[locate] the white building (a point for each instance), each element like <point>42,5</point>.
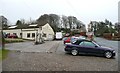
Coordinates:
<point>31,31</point>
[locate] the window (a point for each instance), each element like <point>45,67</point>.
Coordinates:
<point>87,44</point>
<point>81,43</point>
<point>14,33</point>
<point>44,35</point>
<point>20,34</point>
<point>33,35</point>
<point>28,35</point>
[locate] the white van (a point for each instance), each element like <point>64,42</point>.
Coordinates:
<point>58,35</point>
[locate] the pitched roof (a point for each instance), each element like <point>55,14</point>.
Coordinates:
<point>24,26</point>
<point>33,25</point>
<point>12,27</point>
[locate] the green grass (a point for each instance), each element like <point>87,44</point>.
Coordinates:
<point>3,54</point>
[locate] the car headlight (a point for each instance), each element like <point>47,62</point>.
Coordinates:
<point>113,51</point>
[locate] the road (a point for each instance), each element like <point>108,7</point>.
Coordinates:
<point>55,59</point>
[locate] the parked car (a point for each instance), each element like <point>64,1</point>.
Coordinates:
<point>12,36</point>
<point>66,40</point>
<point>67,35</point>
<point>72,39</point>
<point>83,46</point>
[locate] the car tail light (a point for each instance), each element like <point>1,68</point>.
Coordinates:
<point>65,46</point>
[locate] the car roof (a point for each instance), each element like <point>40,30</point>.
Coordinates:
<point>84,40</point>
<point>81,40</point>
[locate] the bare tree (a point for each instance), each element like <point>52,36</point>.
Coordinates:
<point>65,21</point>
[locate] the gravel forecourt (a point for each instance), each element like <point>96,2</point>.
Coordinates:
<point>54,59</point>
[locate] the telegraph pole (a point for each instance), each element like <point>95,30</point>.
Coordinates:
<point>1,32</point>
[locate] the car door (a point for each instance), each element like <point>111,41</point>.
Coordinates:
<point>82,48</point>
<point>88,47</point>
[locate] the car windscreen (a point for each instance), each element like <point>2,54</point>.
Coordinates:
<point>65,38</point>
<point>96,44</point>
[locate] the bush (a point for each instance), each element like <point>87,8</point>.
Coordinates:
<point>13,40</point>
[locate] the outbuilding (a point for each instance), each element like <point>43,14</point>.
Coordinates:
<point>30,31</point>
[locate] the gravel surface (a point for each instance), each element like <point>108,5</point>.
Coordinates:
<point>18,61</point>
<point>55,59</point>
<point>29,46</point>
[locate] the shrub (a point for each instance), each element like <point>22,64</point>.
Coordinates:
<point>13,40</point>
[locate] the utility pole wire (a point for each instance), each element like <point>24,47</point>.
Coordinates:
<point>72,7</point>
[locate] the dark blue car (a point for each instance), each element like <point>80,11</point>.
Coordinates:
<point>89,47</point>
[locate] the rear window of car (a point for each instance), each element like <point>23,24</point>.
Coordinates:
<point>73,39</point>
<point>65,38</point>
<point>76,42</point>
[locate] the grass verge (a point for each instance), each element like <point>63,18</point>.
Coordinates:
<point>9,40</point>
<point>3,54</point>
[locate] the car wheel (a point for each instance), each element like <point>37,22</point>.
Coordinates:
<point>108,54</point>
<point>74,52</point>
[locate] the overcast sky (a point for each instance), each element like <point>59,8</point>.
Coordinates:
<point>84,10</point>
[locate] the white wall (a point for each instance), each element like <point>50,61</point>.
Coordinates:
<point>48,31</point>
<point>26,31</point>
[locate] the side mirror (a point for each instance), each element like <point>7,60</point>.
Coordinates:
<point>96,46</point>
